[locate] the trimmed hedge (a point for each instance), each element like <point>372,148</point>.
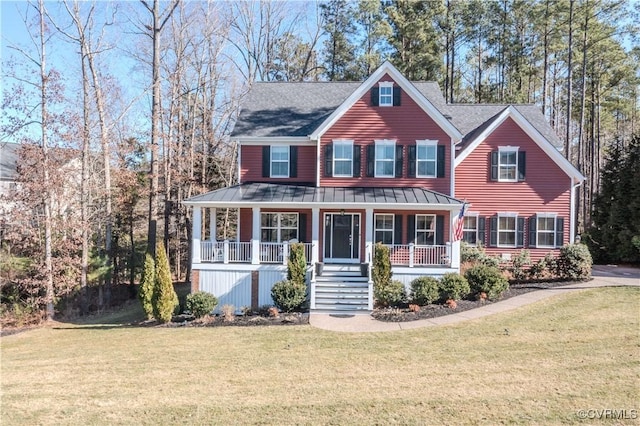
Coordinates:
<point>289,296</point>
<point>425,290</point>
<point>201,303</point>
<point>454,286</point>
<point>486,279</point>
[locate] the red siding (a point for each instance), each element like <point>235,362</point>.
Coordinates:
<point>251,165</point>
<point>406,123</point>
<point>546,187</point>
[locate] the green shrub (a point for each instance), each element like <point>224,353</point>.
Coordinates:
<point>288,295</point>
<point>165,298</point>
<point>518,265</point>
<point>476,254</point>
<point>425,290</point>
<point>574,262</point>
<point>381,273</point>
<point>551,263</point>
<point>297,264</point>
<point>454,286</point>
<point>537,269</point>
<point>147,284</point>
<point>201,303</point>
<point>486,279</point>
<point>391,294</point>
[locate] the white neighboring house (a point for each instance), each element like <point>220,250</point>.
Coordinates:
<point>8,172</point>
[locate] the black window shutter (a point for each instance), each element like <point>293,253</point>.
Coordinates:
<point>293,161</point>
<point>532,230</point>
<point>559,231</point>
<point>494,165</point>
<point>266,161</point>
<point>302,227</point>
<point>520,232</point>
<point>375,96</point>
<point>481,230</point>
<point>357,153</point>
<point>371,160</point>
<point>441,160</point>
<point>396,96</point>
<point>412,161</point>
<point>522,165</point>
<point>493,231</point>
<point>399,161</point>
<point>397,229</point>
<point>439,230</point>
<point>328,160</point>
<point>411,229</point>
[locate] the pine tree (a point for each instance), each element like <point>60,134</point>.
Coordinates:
<point>147,284</point>
<point>165,298</point>
<point>339,51</point>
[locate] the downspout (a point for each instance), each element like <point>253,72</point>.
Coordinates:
<point>318,162</point>
<point>452,166</point>
<point>238,161</point>
<point>572,230</point>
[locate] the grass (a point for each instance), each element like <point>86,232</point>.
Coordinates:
<point>572,352</point>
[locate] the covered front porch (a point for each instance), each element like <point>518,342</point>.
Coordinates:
<point>337,226</point>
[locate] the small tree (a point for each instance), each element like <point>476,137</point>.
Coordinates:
<point>297,264</point>
<point>147,284</point>
<point>165,298</point>
<point>381,266</point>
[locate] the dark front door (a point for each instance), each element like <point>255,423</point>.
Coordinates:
<point>342,237</point>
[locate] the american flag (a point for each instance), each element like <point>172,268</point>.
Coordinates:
<point>458,224</point>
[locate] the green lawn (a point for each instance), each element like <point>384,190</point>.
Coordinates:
<point>573,352</point>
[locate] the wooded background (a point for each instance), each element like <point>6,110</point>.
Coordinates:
<point>131,104</point>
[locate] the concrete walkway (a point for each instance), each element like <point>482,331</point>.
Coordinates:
<point>603,276</point>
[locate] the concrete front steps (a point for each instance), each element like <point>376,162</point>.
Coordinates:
<point>342,288</point>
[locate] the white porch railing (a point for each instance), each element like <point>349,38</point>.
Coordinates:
<point>418,255</point>
<point>240,252</point>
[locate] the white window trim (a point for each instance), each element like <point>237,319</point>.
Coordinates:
<point>279,227</point>
<point>393,226</point>
<point>435,230</point>
<point>553,216</point>
<point>342,142</point>
<point>271,161</point>
<point>427,142</point>
<point>385,142</point>
<point>477,216</point>
<point>385,84</point>
<point>515,230</point>
<point>508,149</point>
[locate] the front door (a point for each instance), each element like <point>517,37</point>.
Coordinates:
<point>342,237</point>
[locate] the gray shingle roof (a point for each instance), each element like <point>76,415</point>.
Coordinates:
<point>251,193</point>
<point>8,161</point>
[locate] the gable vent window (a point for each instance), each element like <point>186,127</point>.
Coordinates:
<point>508,164</point>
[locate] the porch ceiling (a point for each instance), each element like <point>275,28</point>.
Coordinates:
<point>283,195</point>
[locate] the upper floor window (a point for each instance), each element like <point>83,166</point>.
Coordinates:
<point>508,164</point>
<point>386,94</point>
<point>343,158</point>
<point>385,158</point>
<point>384,230</point>
<point>279,161</point>
<point>279,227</point>
<point>426,158</point>
<point>425,229</point>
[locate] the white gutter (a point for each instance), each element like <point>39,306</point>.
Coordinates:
<point>573,218</point>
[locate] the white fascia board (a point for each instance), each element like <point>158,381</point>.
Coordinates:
<point>276,140</point>
<point>325,206</point>
<point>533,133</point>
<point>409,88</point>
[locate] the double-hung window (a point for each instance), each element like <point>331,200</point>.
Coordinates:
<point>546,230</point>
<point>385,158</point>
<point>470,229</point>
<point>508,164</point>
<point>426,158</point>
<point>384,228</point>
<point>279,161</point>
<point>507,230</point>
<point>386,94</point>
<point>279,227</point>
<point>425,229</point>
<point>343,158</point>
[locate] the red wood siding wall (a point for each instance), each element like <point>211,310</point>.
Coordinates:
<point>546,187</point>
<point>406,123</point>
<point>251,166</point>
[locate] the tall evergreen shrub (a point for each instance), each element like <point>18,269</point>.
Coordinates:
<point>297,264</point>
<point>164,296</point>
<point>147,284</point>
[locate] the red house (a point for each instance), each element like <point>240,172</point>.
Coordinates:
<point>340,166</point>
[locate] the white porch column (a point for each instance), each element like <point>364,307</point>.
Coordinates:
<point>455,254</point>
<point>255,237</point>
<point>212,224</point>
<point>196,234</point>
<point>315,235</point>
<point>368,236</point>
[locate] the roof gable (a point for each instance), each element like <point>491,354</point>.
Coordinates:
<point>476,137</point>
<point>406,85</point>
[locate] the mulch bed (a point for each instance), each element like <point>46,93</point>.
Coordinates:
<point>403,314</point>
<point>184,320</point>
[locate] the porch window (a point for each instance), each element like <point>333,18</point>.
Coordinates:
<point>343,158</point>
<point>280,161</point>
<point>385,158</point>
<point>384,230</point>
<point>279,227</point>
<point>425,229</point>
<point>426,158</point>
<point>470,229</point>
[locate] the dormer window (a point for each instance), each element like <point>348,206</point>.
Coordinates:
<point>386,94</point>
